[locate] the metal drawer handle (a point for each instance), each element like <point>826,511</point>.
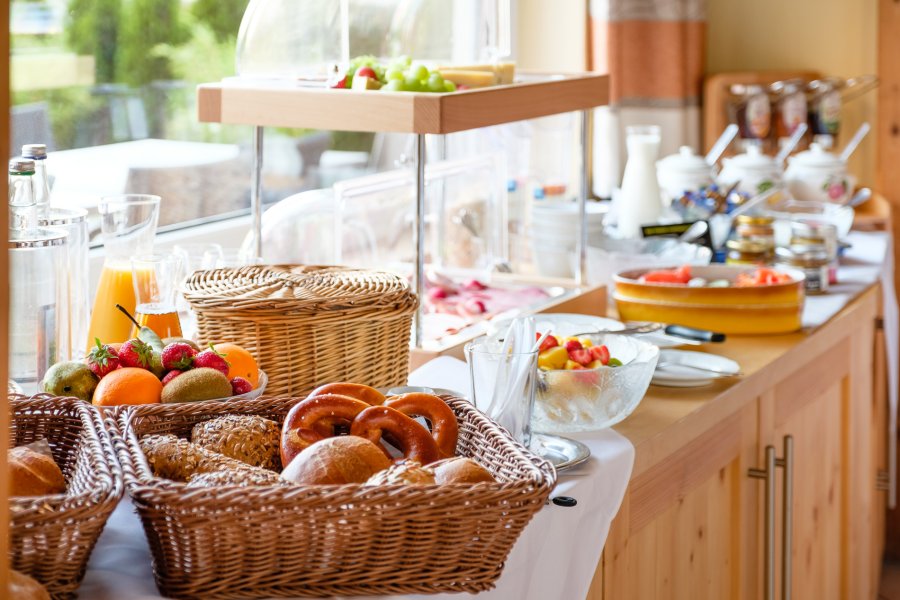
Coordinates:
<point>767,474</point>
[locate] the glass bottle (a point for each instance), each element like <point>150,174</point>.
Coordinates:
<point>22,206</point>
<point>38,153</point>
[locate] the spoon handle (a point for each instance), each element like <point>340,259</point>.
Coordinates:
<point>855,140</point>
<point>719,147</point>
<point>791,143</point>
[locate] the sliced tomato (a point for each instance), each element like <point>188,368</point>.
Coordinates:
<point>680,275</point>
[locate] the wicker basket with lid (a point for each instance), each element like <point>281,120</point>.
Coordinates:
<point>309,325</point>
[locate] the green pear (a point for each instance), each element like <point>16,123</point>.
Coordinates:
<point>70,379</point>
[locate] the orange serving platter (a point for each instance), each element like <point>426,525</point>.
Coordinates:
<point>766,309</point>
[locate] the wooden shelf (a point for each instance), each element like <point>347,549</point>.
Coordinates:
<point>277,104</point>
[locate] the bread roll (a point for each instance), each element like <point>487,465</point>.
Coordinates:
<point>337,460</point>
<point>460,470</point>
<point>23,587</point>
<point>33,473</point>
<point>173,458</point>
<point>407,472</point>
<point>241,478</point>
<point>248,438</point>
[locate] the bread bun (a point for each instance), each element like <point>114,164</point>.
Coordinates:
<point>407,472</point>
<point>33,473</point>
<point>23,587</point>
<point>337,460</point>
<point>248,438</point>
<point>460,470</point>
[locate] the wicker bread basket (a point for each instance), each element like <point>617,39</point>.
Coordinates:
<point>329,540</point>
<point>309,325</point>
<point>51,537</point>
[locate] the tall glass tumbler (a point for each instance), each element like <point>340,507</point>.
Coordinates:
<point>76,278</point>
<point>502,385</point>
<point>156,278</point>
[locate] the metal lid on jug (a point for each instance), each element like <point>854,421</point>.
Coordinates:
<point>36,151</point>
<point>21,166</point>
<point>36,238</point>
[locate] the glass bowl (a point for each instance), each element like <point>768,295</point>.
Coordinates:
<point>591,399</point>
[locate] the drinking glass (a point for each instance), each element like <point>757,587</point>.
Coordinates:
<point>156,278</point>
<point>195,257</point>
<point>502,385</point>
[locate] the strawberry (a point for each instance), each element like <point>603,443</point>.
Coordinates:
<point>239,386</point>
<point>135,353</point>
<point>582,356</point>
<point>211,359</point>
<point>103,359</point>
<point>170,376</point>
<point>178,356</point>
<point>548,343</point>
<point>473,285</point>
<point>573,345</point>
<point>600,353</point>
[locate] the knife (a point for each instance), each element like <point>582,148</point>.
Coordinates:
<point>691,333</point>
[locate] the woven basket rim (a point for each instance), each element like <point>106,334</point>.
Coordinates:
<point>239,288</point>
<point>139,480</point>
<point>107,483</point>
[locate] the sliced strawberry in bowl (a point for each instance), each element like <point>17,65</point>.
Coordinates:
<point>582,356</point>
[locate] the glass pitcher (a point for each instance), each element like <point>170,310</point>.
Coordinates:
<point>128,224</point>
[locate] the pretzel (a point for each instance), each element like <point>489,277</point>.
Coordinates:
<point>411,438</point>
<point>367,394</point>
<point>313,419</point>
<point>444,428</point>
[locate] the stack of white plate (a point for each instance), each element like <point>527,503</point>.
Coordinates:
<point>554,234</point>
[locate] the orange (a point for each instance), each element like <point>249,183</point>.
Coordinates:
<point>240,362</point>
<point>128,385</point>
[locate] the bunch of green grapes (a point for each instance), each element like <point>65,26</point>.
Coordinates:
<point>400,75</point>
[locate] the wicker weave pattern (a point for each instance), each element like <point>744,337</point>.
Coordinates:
<point>230,542</point>
<point>51,537</point>
<point>309,325</point>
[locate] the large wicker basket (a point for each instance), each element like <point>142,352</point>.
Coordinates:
<point>262,541</point>
<point>309,325</point>
<point>51,537</point>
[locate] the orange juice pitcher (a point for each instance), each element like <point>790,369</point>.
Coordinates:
<point>128,224</point>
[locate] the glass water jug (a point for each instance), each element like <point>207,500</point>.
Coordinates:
<point>128,224</point>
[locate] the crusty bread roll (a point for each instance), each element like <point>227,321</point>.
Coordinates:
<point>241,478</point>
<point>33,474</point>
<point>23,587</point>
<point>337,460</point>
<point>248,438</point>
<point>460,470</point>
<point>176,459</point>
<point>407,472</point>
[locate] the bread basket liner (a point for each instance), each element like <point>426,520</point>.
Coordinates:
<point>329,540</point>
<point>51,537</point>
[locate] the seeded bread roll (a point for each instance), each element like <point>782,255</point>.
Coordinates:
<point>407,472</point>
<point>176,459</point>
<point>248,438</point>
<point>241,478</point>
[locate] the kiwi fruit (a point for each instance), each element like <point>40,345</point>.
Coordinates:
<point>195,385</point>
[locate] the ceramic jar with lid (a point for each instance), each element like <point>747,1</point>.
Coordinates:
<point>755,171</point>
<point>819,176</point>
<point>683,172</point>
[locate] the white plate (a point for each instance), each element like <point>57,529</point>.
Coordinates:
<point>678,376</point>
<point>564,324</point>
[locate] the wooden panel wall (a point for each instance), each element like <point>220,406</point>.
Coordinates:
<point>4,300</point>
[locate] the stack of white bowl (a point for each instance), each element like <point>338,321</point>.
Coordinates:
<point>555,228</point>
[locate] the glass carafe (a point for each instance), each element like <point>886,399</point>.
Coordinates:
<point>128,224</point>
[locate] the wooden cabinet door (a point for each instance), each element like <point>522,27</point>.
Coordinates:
<point>687,527</point>
<point>827,406</point>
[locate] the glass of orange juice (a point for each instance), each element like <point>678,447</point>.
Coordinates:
<point>128,226</point>
<point>156,280</point>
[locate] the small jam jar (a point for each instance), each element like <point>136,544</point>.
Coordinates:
<point>748,252</point>
<point>812,260</point>
<point>815,233</point>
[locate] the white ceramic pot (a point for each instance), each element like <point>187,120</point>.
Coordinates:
<point>755,171</point>
<point>819,176</point>
<point>685,171</point>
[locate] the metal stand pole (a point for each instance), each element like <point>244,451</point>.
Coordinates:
<point>582,242</point>
<point>256,191</point>
<point>419,276</point>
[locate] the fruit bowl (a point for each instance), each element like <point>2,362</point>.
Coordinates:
<point>569,401</point>
<point>252,394</point>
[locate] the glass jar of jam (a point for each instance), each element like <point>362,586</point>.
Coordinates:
<point>823,99</point>
<point>812,260</point>
<point>814,233</point>
<point>751,111</point>
<point>747,252</point>
<point>788,99</point>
